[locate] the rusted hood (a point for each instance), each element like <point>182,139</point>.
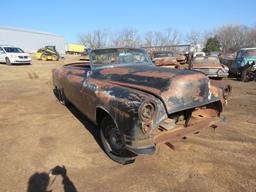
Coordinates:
<point>178,89</point>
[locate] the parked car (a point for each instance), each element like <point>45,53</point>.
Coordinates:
<point>214,54</point>
<point>210,66</point>
<point>136,104</point>
<point>199,54</point>
<point>244,65</point>
<point>165,59</point>
<point>227,59</point>
<point>13,55</point>
<point>180,57</point>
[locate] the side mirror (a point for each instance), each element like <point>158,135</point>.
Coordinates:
<point>88,73</point>
<point>2,52</point>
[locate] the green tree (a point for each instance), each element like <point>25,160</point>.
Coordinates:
<point>212,44</point>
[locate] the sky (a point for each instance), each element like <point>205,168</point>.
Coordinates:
<point>73,18</point>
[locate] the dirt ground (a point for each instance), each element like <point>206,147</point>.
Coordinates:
<point>37,134</point>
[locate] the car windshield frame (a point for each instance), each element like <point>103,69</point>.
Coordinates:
<point>122,52</point>
<point>13,50</point>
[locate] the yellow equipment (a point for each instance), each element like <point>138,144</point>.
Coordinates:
<point>74,48</point>
<point>48,53</point>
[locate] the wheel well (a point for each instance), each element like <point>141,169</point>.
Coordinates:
<point>100,114</point>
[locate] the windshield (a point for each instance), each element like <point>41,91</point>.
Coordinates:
<point>121,56</point>
<point>163,54</point>
<point>13,50</point>
<point>206,60</point>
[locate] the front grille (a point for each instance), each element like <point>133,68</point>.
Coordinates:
<point>23,57</point>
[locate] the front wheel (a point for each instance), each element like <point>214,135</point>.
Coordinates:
<point>113,142</point>
<point>244,76</point>
<point>7,61</point>
<point>43,57</point>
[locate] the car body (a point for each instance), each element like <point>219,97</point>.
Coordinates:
<point>199,54</point>
<point>227,59</point>
<point>214,54</point>
<point>165,59</point>
<point>210,66</point>
<point>136,104</point>
<point>180,57</point>
<point>13,55</point>
<point>244,64</point>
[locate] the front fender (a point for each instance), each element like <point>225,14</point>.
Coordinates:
<point>123,104</point>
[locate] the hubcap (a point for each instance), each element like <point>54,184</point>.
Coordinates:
<point>114,138</point>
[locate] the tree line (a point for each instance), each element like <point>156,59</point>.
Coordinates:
<point>228,38</point>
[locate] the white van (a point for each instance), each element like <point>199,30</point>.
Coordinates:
<point>13,55</point>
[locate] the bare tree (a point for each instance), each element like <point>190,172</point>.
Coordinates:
<point>234,37</point>
<point>158,38</point>
<point>148,39</point>
<point>126,38</point>
<point>252,37</point>
<point>206,35</point>
<point>172,36</point>
<point>231,38</point>
<point>95,39</point>
<point>194,38</point>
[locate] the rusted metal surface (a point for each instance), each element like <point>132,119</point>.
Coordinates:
<point>169,59</point>
<point>180,131</point>
<point>210,67</point>
<point>167,62</point>
<point>122,91</point>
<point>225,88</point>
<point>181,59</point>
<point>207,65</point>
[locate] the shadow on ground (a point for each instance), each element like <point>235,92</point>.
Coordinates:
<point>43,182</point>
<point>94,130</point>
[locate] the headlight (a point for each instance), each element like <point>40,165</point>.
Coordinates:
<point>147,111</point>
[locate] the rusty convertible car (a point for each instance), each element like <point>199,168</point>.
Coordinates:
<point>136,104</point>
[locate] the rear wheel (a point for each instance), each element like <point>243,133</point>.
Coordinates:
<point>55,58</point>
<point>7,61</point>
<point>59,93</point>
<point>113,142</point>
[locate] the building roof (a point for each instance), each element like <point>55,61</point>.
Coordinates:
<point>28,31</point>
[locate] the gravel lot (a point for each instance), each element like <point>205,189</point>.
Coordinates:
<point>37,134</point>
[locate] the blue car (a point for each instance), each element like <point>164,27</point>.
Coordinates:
<point>244,66</point>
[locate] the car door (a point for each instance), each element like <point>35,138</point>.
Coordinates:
<point>2,53</point>
<point>89,97</point>
<point>73,84</point>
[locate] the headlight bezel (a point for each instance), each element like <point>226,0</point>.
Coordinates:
<point>144,114</point>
